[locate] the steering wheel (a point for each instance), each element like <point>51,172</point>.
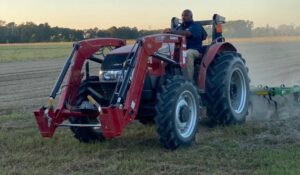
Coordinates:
<point>103,51</point>
<point>175,23</point>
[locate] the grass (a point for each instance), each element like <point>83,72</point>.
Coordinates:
<point>35,51</point>
<point>230,150</point>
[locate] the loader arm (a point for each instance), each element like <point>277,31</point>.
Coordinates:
<point>85,50</point>
<point>117,115</point>
<point>47,117</point>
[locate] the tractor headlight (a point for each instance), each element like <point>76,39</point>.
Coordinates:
<point>111,75</point>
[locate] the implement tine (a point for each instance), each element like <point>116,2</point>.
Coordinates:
<point>275,102</point>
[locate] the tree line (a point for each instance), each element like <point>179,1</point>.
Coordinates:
<point>31,32</point>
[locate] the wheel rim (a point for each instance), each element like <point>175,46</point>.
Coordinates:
<point>238,91</point>
<point>186,114</point>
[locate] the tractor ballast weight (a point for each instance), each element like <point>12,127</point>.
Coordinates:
<point>140,80</point>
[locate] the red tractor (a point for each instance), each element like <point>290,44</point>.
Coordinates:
<point>145,81</point>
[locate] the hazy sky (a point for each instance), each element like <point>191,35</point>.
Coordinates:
<point>146,14</point>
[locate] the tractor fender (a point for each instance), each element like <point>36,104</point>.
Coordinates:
<point>208,58</point>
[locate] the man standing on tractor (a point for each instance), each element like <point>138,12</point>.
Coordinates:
<point>194,34</point>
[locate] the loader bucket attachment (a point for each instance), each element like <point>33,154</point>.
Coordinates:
<point>48,117</point>
<point>44,121</point>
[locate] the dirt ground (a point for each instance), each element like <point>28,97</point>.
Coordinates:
<point>272,64</point>
<point>25,85</point>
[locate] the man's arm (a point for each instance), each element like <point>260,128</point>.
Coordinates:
<point>178,32</point>
<point>204,34</point>
<point>185,33</point>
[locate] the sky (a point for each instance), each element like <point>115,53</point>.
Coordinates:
<point>145,14</point>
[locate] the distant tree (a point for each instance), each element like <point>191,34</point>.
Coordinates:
<point>2,23</point>
<point>103,33</point>
<point>30,32</point>
<point>286,30</point>
<point>239,28</point>
<point>264,31</point>
<point>2,31</point>
<point>91,33</point>
<point>297,29</point>
<point>148,32</point>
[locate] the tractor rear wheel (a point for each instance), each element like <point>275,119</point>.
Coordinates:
<point>178,110</point>
<point>85,134</point>
<point>227,89</point>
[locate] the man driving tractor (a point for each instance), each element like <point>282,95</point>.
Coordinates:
<point>194,34</point>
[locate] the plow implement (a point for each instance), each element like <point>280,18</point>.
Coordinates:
<point>267,101</point>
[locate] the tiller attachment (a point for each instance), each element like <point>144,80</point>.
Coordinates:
<point>276,97</point>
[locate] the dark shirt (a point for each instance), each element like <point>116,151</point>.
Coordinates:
<point>198,35</point>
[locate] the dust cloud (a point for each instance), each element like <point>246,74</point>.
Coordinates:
<point>279,108</point>
<point>273,64</point>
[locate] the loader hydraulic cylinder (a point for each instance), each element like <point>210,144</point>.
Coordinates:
<point>63,73</point>
<point>126,81</point>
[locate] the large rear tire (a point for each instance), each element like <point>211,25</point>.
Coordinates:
<point>227,89</point>
<point>85,134</point>
<point>177,112</point>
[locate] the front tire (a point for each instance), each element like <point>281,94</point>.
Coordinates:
<point>85,134</point>
<point>227,89</point>
<point>178,110</point>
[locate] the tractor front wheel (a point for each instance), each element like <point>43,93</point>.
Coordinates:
<point>178,110</point>
<point>85,134</point>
